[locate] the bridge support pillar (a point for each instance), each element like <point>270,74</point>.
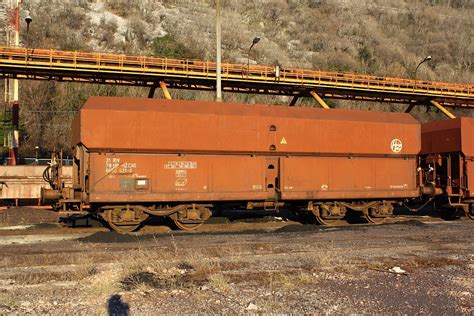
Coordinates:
<point>409,108</point>
<point>320,100</point>
<point>166,93</point>
<point>443,109</point>
<point>151,93</point>
<point>163,87</point>
<point>293,101</point>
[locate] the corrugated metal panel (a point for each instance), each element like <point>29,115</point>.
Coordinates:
<point>127,124</point>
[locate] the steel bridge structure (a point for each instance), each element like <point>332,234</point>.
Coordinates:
<point>153,72</point>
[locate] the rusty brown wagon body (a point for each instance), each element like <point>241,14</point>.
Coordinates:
<point>448,151</point>
<point>141,157</point>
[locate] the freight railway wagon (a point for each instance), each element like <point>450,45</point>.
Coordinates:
<point>24,183</point>
<point>136,158</point>
<point>448,154</point>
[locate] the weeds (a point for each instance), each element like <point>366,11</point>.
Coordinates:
<point>37,277</point>
<point>218,281</point>
<point>103,286</point>
<point>8,302</point>
<point>142,280</point>
<point>86,269</point>
<point>175,246</point>
<point>290,280</point>
<point>166,269</point>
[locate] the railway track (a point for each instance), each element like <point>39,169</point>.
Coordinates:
<point>221,225</point>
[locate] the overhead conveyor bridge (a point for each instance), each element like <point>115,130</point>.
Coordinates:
<point>153,72</point>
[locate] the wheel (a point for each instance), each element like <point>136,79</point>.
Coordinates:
<point>123,229</point>
<point>328,221</point>
<point>329,214</point>
<point>376,214</point>
<point>374,220</point>
<point>187,225</point>
<point>470,211</point>
<point>354,217</point>
<point>305,217</point>
<point>448,213</point>
<point>56,206</point>
<point>191,217</point>
<point>123,219</point>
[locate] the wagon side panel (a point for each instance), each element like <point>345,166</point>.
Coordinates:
<point>166,178</point>
<point>348,178</point>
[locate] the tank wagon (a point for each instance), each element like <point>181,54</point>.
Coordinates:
<point>136,158</point>
<point>448,154</point>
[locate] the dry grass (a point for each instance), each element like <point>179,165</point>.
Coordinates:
<point>143,260</point>
<point>6,300</point>
<point>290,280</point>
<point>173,268</point>
<point>466,282</point>
<point>55,259</point>
<point>87,268</point>
<point>218,281</point>
<point>323,259</point>
<point>413,262</point>
<point>37,277</point>
<point>103,287</point>
<point>41,268</point>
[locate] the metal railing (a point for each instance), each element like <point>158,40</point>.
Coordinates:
<point>34,63</point>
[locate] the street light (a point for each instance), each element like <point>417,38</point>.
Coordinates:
<point>36,150</point>
<point>427,58</point>
<point>255,41</point>
<point>28,20</point>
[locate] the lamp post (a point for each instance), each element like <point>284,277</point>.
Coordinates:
<point>427,58</point>
<point>218,52</point>
<point>28,20</point>
<point>255,41</point>
<point>12,91</point>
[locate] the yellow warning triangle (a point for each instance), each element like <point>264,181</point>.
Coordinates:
<point>283,141</point>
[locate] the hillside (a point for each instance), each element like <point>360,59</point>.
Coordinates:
<point>379,37</point>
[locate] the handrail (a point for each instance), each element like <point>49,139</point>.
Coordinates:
<point>166,67</point>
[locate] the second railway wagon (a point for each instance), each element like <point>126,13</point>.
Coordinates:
<point>448,154</point>
<point>136,158</point>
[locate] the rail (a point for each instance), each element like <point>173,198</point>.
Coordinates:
<point>49,64</point>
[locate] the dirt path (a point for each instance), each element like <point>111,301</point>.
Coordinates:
<point>285,268</point>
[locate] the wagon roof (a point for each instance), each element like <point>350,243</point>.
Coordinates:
<point>175,126</point>
<point>444,136</point>
<point>207,107</point>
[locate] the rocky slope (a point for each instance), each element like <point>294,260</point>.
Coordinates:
<point>378,37</point>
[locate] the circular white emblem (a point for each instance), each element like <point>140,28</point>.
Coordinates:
<point>396,145</point>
